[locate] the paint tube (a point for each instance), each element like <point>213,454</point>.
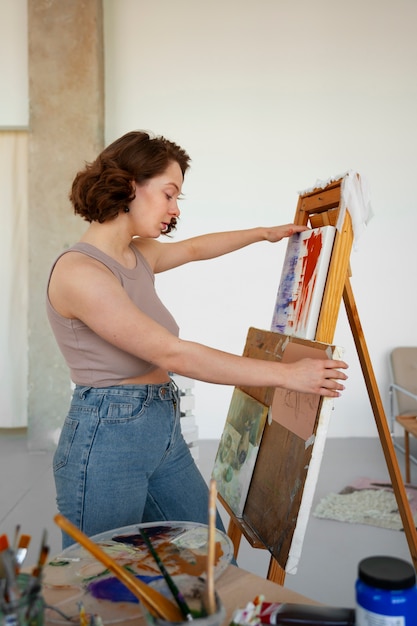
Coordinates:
<point>249,616</point>
<point>268,612</point>
<point>283,614</point>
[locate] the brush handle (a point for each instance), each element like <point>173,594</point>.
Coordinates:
<point>21,550</point>
<point>178,597</point>
<point>211,599</point>
<point>155,602</point>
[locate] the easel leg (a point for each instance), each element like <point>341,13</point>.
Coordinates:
<point>381,422</point>
<point>407,456</point>
<point>235,535</point>
<point>275,572</point>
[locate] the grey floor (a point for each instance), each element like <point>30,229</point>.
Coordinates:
<point>331,550</point>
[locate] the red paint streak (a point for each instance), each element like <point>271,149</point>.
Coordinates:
<point>314,246</point>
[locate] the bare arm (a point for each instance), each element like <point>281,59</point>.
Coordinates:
<point>214,366</point>
<point>87,291</point>
<point>164,256</point>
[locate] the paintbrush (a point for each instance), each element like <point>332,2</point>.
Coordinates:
<point>178,597</point>
<point>43,555</point>
<point>21,551</point>
<point>8,569</point>
<point>156,603</point>
<point>35,584</point>
<point>16,535</point>
<point>38,569</point>
<point>4,544</point>
<point>209,598</point>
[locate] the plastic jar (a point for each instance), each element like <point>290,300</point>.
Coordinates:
<point>386,592</point>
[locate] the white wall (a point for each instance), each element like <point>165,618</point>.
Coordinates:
<point>268,96</point>
<point>14,112</point>
<point>14,85</point>
<point>14,260</point>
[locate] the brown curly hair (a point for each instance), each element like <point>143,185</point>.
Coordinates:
<point>104,187</point>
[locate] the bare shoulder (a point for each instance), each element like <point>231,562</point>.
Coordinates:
<point>75,277</point>
<point>73,265</point>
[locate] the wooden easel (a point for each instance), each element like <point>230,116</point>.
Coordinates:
<point>321,207</point>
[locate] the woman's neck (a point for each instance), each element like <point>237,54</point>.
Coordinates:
<point>111,240</point>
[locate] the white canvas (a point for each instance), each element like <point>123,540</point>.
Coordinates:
<point>302,283</point>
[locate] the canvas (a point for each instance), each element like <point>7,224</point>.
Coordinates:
<point>302,283</point>
<point>238,449</point>
<point>283,480</point>
<point>297,412</point>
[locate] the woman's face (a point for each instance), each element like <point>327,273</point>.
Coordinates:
<point>156,202</point>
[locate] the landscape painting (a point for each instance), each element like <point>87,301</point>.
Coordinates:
<point>238,449</point>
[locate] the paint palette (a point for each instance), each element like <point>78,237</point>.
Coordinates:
<point>75,576</point>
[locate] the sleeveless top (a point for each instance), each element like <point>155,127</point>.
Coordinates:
<point>92,361</point>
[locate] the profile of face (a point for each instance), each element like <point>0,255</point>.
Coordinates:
<point>155,205</point>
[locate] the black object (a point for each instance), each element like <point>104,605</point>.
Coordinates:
<point>309,615</point>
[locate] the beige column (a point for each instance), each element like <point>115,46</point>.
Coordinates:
<point>66,90</point>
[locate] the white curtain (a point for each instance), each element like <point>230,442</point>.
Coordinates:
<point>13,279</point>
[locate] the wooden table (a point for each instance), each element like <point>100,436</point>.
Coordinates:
<point>236,587</point>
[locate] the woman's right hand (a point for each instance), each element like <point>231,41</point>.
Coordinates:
<point>316,376</point>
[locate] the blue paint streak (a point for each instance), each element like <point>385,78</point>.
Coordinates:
<point>285,293</point>
<point>114,590</point>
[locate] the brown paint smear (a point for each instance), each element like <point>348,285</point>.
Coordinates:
<point>179,560</point>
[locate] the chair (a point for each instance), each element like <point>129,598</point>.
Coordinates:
<point>403,397</point>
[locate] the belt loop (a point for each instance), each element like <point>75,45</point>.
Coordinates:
<point>175,387</point>
<point>83,391</point>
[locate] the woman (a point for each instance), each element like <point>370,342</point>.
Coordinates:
<point>121,458</point>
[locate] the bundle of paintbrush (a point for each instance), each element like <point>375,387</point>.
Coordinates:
<point>20,593</point>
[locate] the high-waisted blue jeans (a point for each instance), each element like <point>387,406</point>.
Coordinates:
<point>121,460</point>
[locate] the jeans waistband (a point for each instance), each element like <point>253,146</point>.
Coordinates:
<point>163,391</point>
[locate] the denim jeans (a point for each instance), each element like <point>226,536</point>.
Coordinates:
<point>121,460</point>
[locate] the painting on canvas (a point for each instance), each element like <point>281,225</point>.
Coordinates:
<point>297,412</point>
<point>303,279</point>
<point>283,481</point>
<point>238,449</point>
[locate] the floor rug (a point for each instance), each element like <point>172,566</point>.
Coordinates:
<point>367,501</point>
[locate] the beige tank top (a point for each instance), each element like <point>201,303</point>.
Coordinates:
<point>92,361</point>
